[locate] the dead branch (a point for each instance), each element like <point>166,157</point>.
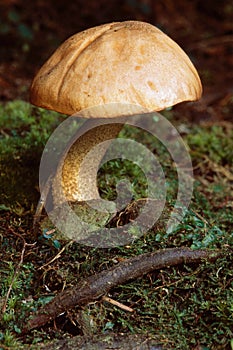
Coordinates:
<point>116,303</point>
<point>95,286</point>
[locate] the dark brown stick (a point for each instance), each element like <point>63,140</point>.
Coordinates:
<point>99,284</point>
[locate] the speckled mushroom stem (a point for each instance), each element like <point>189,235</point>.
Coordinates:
<point>73,182</point>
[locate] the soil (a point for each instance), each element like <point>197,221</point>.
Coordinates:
<point>31,31</point>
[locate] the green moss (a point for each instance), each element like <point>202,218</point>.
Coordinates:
<point>183,307</point>
<point>24,131</point>
<point>215,142</point>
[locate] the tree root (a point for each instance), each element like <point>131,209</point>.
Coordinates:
<point>95,286</point>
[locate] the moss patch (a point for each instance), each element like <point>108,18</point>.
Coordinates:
<point>182,307</point>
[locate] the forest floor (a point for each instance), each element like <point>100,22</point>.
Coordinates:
<point>189,306</point>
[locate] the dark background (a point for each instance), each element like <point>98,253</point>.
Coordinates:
<point>31,30</point>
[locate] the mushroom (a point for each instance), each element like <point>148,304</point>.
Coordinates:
<point>131,63</point>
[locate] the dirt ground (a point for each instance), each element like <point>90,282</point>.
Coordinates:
<point>31,31</point>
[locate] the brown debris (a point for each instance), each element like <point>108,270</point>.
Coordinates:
<point>99,284</point>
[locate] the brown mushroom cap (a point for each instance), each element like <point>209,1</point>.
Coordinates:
<point>127,62</point>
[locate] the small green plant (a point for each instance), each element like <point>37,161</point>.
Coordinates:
<point>16,308</point>
<point>9,341</point>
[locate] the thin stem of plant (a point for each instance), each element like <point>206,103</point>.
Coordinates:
<point>56,256</point>
<point>117,303</point>
<point>25,245</point>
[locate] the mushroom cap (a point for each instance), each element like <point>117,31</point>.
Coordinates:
<point>122,62</point>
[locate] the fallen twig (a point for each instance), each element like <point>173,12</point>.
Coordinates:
<point>58,255</point>
<point>116,303</point>
<point>99,284</point>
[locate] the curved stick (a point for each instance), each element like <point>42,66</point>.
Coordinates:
<point>99,284</point>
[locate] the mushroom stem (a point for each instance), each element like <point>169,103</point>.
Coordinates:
<point>130,63</point>
<point>74,182</point>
